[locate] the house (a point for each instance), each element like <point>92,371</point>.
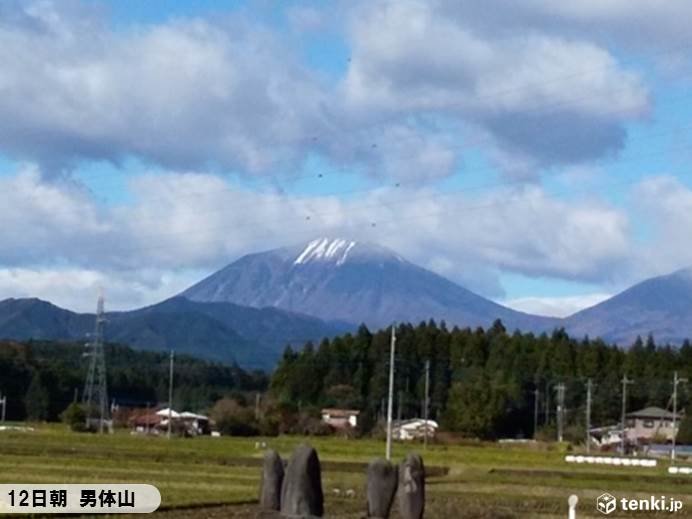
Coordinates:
<point>340,418</point>
<point>145,423</point>
<point>414,429</point>
<point>651,424</point>
<point>646,426</point>
<point>185,423</point>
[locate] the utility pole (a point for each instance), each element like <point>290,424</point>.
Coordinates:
<point>625,382</point>
<point>3,401</point>
<point>676,381</point>
<point>547,403</point>
<point>560,410</point>
<point>427,404</point>
<point>391,393</point>
<point>588,415</point>
<point>257,405</point>
<point>170,394</point>
<point>536,395</point>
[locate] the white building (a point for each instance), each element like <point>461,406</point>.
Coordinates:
<point>340,418</point>
<point>651,424</point>
<point>414,429</point>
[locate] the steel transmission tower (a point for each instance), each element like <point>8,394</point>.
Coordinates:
<point>95,397</point>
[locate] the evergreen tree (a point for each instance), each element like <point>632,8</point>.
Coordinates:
<point>475,406</point>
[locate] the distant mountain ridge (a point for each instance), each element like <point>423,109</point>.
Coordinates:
<point>345,280</point>
<point>218,331</point>
<point>249,310</point>
<point>661,306</point>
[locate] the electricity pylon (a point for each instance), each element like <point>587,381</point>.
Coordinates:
<point>95,397</point>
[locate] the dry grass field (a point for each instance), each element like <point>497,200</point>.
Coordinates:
<point>219,477</point>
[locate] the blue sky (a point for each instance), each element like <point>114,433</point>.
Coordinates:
<point>511,147</point>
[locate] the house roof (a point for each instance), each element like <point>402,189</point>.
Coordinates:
<point>415,423</point>
<point>651,412</point>
<point>165,413</point>
<point>194,416</point>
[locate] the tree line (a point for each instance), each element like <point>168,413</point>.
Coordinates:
<point>485,383</point>
<point>41,378</point>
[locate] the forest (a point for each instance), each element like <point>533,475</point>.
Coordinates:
<point>41,378</point>
<point>483,383</point>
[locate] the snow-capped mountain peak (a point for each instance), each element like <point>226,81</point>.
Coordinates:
<point>339,279</point>
<point>336,250</point>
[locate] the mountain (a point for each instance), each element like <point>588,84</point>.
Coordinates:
<point>661,306</point>
<point>224,332</point>
<point>32,318</point>
<point>248,311</point>
<point>348,281</point>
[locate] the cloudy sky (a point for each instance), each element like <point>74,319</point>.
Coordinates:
<point>535,151</point>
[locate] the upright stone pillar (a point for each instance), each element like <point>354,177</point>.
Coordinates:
<point>381,488</point>
<point>272,479</point>
<point>301,492</point>
<point>412,487</point>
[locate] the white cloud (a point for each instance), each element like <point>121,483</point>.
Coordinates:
<point>187,221</point>
<point>555,306</point>
<point>541,99</point>
<point>663,206</point>
<point>185,93</point>
<point>305,18</point>
<point>45,222</point>
<point>78,289</point>
<point>640,24</point>
<point>231,93</point>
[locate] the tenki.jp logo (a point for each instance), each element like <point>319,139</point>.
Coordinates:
<point>607,504</point>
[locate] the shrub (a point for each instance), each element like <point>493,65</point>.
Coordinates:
<point>233,419</point>
<point>269,425</point>
<point>74,416</point>
<point>546,433</point>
